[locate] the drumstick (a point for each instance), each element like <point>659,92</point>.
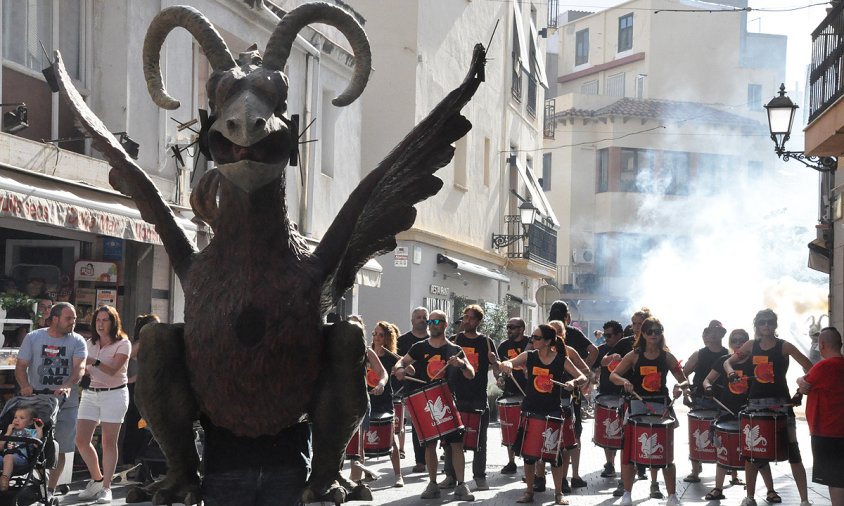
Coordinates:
<point>417,380</point>
<point>722,405</point>
<point>517,384</point>
<point>391,353</point>
<point>643,401</point>
<point>461,355</point>
<point>562,385</point>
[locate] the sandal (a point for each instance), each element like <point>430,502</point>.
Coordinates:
<point>691,479</point>
<point>736,481</point>
<point>559,499</point>
<point>4,483</point>
<point>715,495</point>
<point>526,498</point>
<point>773,497</point>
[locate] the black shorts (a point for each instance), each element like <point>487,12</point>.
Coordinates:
<point>829,460</point>
<point>451,437</point>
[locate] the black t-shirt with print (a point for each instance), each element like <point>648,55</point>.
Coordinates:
<point>508,350</point>
<point>577,340</point>
<point>428,361</point>
<point>471,393</point>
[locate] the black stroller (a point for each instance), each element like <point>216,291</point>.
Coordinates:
<point>28,484</point>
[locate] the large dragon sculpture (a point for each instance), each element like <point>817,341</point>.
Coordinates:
<point>255,297</point>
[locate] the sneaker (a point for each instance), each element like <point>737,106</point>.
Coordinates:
<point>539,484</point>
<point>104,496</point>
<point>419,468</point>
<point>91,490</point>
<point>577,482</point>
<point>655,493</point>
<point>462,493</point>
<point>566,488</point>
<point>399,481</point>
<point>608,472</point>
<point>510,468</point>
<point>432,491</point>
<point>448,483</point>
<point>672,500</point>
<point>626,500</point>
<point>481,484</point>
<point>619,490</point>
<point>748,501</point>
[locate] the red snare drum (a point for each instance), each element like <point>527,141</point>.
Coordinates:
<point>701,448</point>
<point>378,440</point>
<point>609,421</point>
<point>509,413</point>
<point>727,443</point>
<point>398,409</point>
<point>353,448</point>
<point>763,435</point>
<point>433,412</point>
<point>544,436</point>
<point>472,423</point>
<point>652,438</point>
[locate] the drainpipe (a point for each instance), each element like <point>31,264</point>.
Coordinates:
<point>307,154</point>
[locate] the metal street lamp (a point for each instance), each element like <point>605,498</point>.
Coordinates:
<point>780,121</point>
<point>527,213</point>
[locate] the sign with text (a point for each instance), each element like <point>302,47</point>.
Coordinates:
<point>400,256</point>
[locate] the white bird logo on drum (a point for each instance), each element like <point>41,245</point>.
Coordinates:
<point>551,440</point>
<point>720,449</point>
<point>752,438</point>
<point>650,446</point>
<point>701,439</point>
<point>372,437</point>
<point>438,410</point>
<point>612,429</point>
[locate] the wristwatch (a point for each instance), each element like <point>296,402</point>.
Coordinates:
<point>96,363</point>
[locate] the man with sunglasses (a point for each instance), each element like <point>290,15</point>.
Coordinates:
<point>471,393</point>
<point>425,361</point>
<point>509,349</point>
<point>699,364</point>
<point>418,332</point>
<point>769,391</point>
<point>615,347</point>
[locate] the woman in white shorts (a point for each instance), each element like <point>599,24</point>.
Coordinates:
<point>104,402</point>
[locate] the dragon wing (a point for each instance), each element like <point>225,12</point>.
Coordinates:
<point>382,204</point>
<point>126,177</point>
<point>754,433</point>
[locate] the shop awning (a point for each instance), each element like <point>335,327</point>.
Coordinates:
<point>370,274</point>
<point>62,203</point>
<point>464,266</point>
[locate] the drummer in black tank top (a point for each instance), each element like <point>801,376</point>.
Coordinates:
<point>544,397</point>
<point>649,364</point>
<point>769,357</point>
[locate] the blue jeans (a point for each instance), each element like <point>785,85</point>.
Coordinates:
<point>268,486</point>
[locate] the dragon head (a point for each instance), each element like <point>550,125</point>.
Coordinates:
<point>248,133</point>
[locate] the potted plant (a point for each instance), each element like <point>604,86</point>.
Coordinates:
<point>18,300</point>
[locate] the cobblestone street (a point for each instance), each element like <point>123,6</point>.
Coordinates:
<point>506,489</point>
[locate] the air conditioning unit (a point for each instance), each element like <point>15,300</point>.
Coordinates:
<point>584,280</point>
<point>584,256</point>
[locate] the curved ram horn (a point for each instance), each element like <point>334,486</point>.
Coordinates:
<point>203,31</point>
<point>279,45</point>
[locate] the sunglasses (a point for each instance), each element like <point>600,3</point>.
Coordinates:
<point>509,327</point>
<point>537,338</point>
<point>656,331</point>
<point>434,322</point>
<point>770,323</point>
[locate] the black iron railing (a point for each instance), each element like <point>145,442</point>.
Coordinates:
<point>549,126</point>
<point>541,245</point>
<point>826,79</point>
<point>531,96</point>
<point>516,86</point>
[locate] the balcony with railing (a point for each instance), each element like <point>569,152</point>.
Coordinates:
<point>826,78</point>
<point>531,96</point>
<point>549,123</point>
<point>540,244</point>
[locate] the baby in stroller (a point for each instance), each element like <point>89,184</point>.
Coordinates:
<point>28,449</point>
<point>25,425</point>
